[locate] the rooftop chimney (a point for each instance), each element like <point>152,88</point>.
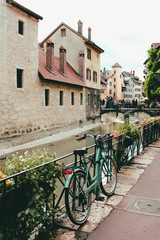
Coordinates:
<point>133,73</point>
<point>50,56</point>
<point>89,34</point>
<point>62,60</point>
<point>80,27</point>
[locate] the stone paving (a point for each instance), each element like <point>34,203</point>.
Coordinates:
<point>127,178</point>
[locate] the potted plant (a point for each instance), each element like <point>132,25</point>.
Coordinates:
<point>131,133</point>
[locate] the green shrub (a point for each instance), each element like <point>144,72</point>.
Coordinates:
<point>40,184</point>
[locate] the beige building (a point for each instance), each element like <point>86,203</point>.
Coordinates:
<point>115,84</point>
<point>43,90</point>
<point>84,56</point>
<point>120,85</point>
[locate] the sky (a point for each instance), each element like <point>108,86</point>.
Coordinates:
<point>124,29</point>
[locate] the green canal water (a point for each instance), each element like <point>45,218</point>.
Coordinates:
<point>109,123</point>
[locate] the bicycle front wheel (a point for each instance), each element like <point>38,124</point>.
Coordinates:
<point>108,176</point>
<point>78,203</point>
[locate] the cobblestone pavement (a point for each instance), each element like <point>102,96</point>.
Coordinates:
<point>120,202</point>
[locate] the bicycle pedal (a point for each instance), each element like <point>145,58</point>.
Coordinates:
<point>101,199</point>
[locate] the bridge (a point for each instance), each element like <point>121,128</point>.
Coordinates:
<point>151,111</point>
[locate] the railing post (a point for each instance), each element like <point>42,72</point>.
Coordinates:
<point>53,220</point>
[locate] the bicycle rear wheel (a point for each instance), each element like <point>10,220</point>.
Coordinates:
<point>108,176</point>
<point>78,204</point>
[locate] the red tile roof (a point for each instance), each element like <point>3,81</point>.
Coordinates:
<point>71,76</point>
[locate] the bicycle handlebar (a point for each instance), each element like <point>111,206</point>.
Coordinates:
<point>95,137</point>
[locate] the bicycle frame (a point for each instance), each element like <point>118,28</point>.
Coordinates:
<point>94,186</point>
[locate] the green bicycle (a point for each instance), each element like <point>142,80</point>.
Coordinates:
<point>81,183</point>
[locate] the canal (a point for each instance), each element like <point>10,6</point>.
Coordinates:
<point>109,123</point>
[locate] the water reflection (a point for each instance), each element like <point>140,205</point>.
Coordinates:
<point>109,123</point>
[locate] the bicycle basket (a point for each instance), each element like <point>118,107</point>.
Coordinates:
<point>106,145</point>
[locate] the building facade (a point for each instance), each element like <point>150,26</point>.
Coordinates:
<point>19,84</point>
<point>84,56</point>
<point>115,83</point>
<point>133,85</point>
<point>120,85</point>
<point>44,87</point>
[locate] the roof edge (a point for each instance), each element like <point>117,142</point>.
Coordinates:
<point>62,24</point>
<point>24,9</point>
<point>80,35</point>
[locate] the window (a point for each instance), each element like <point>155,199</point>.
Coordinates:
<point>72,98</point>
<point>114,79</point>
<point>88,53</point>
<point>94,76</point>
<point>19,78</point>
<point>114,86</point>
<point>110,91</point>
<point>114,94</point>
<point>20,27</point>
<point>61,98</point>
<point>88,73</point>
<point>110,83</point>
<point>63,32</point>
<point>88,99</point>
<point>114,72</point>
<point>81,98</point>
<point>46,97</point>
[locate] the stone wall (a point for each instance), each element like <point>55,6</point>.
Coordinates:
<point>92,103</point>
<point>22,110</point>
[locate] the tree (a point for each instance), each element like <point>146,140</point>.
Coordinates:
<point>152,85</point>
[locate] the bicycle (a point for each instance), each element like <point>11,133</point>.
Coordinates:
<point>80,185</point>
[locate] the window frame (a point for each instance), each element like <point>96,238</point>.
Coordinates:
<point>94,76</point>
<point>88,74</point>
<point>63,32</point>
<point>72,98</point>
<point>20,27</point>
<point>81,98</point>
<point>89,53</point>
<point>46,97</point>
<point>20,77</point>
<point>61,98</point>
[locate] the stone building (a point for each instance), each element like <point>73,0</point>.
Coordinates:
<point>44,87</point>
<point>19,83</point>
<point>84,57</point>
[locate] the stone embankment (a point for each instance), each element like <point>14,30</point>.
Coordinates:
<point>24,142</point>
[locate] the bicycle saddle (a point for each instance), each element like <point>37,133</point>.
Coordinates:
<point>80,152</point>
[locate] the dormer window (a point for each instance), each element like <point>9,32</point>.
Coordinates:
<point>20,27</point>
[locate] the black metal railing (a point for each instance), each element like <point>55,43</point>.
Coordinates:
<point>121,150</point>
